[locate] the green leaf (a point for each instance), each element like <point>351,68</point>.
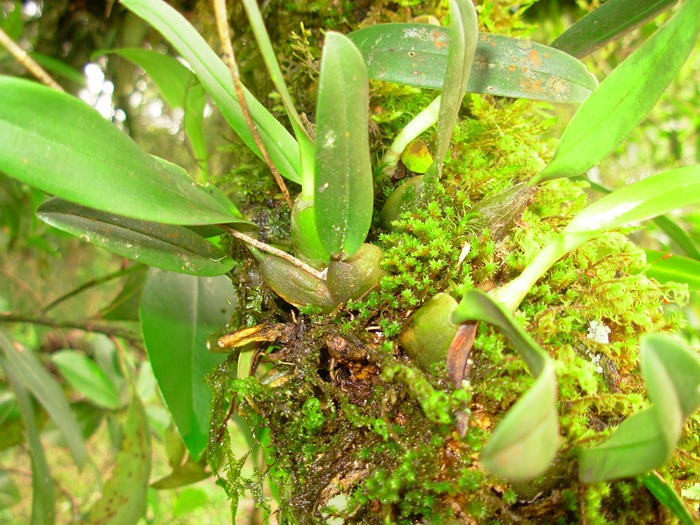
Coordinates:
<point>679,236</point>
<point>189,500</point>
<point>125,306</point>
<point>123,500</point>
<point>59,68</point>
<point>526,440</point>
<point>87,378</point>
<point>642,200</point>
<point>9,493</point>
<point>11,21</point>
<point>180,88</point>
<point>612,20</point>
<point>28,369</point>
<point>645,440</point>
<point>216,79</point>
<point>343,187</point>
<point>185,474</point>
<point>43,493</point>
<point>673,268</point>
<point>463,32</point>
<point>178,314</point>
<point>416,55</point>
<point>90,161</point>
<point>668,497</point>
<point>166,246</point>
<point>625,97</point>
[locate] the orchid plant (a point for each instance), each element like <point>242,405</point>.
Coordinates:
<point>107,190</point>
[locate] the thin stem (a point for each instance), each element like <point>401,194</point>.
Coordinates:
<point>421,122</point>
<point>90,284</point>
<point>513,293</point>
<point>225,36</point>
<point>28,62</point>
<point>274,251</point>
<point>88,326</point>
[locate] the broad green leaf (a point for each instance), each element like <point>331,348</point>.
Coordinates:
<point>525,442</point>
<point>178,314</point>
<point>43,493</point>
<point>625,97</point>
<point>343,187</point>
<point>166,246</point>
<point>216,79</point>
<point>28,369</point>
<point>668,497</point>
<point>463,33</point>
<point>180,88</point>
<point>123,500</point>
<point>676,268</point>
<point>87,378</point>
<point>416,55</point>
<point>645,440</point>
<point>90,161</point>
<point>9,493</point>
<point>125,306</point>
<point>612,20</point>
<point>638,445</point>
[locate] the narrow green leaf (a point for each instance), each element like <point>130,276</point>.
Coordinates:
<point>646,440</point>
<point>668,497</point>
<point>639,201</point>
<point>679,236</point>
<point>185,474</point>
<point>90,161</point>
<point>125,306</point>
<point>180,88</point>
<point>43,493</point>
<point>216,79</point>
<point>11,21</point>
<point>307,244</point>
<point>625,97</point>
<point>87,378</point>
<point>59,68</point>
<point>416,55</point>
<point>525,442</point>
<point>178,314</point>
<point>612,20</point>
<point>166,246</point>
<point>123,500</point>
<point>642,200</point>
<point>8,406</point>
<point>463,32</point>
<point>343,187</point>
<point>270,58</point>
<point>676,268</point>
<point>9,493</point>
<point>47,391</point>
